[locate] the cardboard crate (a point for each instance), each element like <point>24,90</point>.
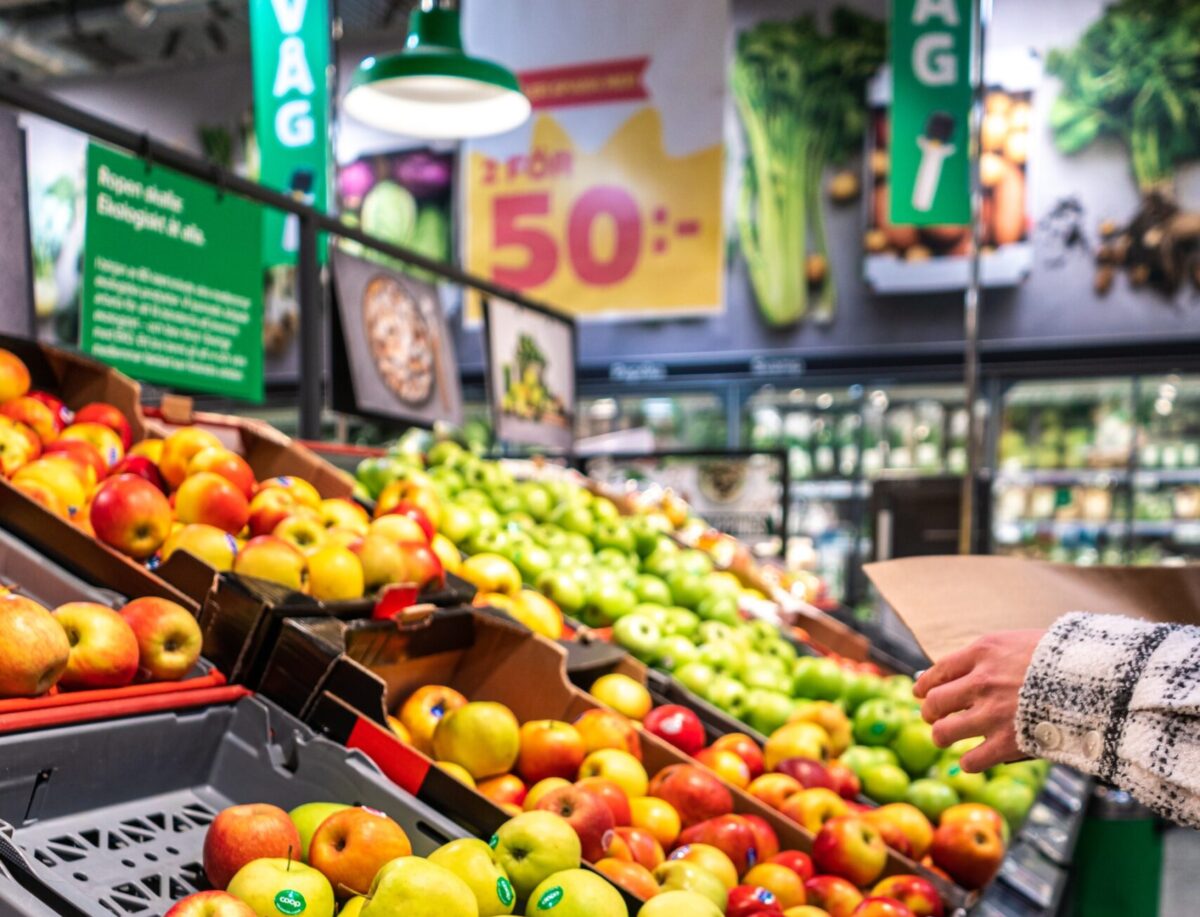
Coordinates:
<point>344,678</point>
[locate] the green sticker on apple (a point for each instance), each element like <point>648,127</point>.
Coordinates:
<point>504,891</point>
<point>878,728</point>
<point>493,841</point>
<point>290,902</point>
<point>550,898</point>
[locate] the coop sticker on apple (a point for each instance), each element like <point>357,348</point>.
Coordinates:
<point>550,898</point>
<point>504,891</point>
<point>931,111</point>
<point>290,902</point>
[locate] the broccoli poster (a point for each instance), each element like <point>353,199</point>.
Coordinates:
<point>607,203</point>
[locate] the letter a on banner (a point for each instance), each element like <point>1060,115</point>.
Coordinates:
<point>290,44</point>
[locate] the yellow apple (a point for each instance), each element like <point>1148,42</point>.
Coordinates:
<point>335,574</point>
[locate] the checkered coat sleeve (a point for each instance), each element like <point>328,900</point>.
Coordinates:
<point>1119,699</point>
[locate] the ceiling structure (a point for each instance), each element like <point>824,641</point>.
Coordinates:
<point>44,40</point>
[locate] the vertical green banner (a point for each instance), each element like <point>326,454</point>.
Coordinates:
<point>931,111</point>
<point>172,281</point>
<point>290,47</point>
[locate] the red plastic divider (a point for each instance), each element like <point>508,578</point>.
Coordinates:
<point>127,706</point>
<point>402,765</point>
<point>56,698</point>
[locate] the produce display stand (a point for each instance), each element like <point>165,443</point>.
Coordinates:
<point>80,836</point>
<point>354,673</point>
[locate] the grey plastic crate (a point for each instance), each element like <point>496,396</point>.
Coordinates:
<point>111,816</point>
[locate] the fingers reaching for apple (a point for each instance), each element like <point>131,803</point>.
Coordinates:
<point>974,692</point>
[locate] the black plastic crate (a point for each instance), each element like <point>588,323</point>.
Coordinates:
<point>109,818</point>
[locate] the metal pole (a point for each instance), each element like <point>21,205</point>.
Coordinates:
<point>968,513</point>
<point>311,296</point>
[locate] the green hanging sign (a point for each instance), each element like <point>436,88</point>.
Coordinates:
<point>172,284</point>
<point>931,112</point>
<point>290,47</point>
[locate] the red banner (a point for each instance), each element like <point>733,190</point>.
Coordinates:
<point>586,84</point>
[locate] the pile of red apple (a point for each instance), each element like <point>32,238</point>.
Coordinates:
<point>188,492</point>
<point>82,645</point>
<point>675,831</point>
<point>262,860</point>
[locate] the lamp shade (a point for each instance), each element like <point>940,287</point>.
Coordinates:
<point>432,89</point>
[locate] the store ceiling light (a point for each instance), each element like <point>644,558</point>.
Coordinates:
<point>433,89</point>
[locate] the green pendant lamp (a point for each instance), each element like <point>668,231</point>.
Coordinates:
<point>433,89</point>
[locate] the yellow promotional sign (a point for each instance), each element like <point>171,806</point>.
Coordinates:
<point>608,203</point>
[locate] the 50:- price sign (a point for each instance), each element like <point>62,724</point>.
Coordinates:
<point>616,233</point>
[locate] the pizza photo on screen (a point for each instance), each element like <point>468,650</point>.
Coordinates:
<point>402,339</point>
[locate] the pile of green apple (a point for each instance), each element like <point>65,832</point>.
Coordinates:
<point>573,546</point>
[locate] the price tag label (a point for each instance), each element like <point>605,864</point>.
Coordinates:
<point>625,230</point>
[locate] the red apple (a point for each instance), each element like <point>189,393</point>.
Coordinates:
<point>228,465</point>
<point>642,845</point>
<point>131,515</point>
<point>14,376</point>
<point>633,877</point>
<point>104,650</point>
<point>504,789</point>
<point>168,637</point>
<point>210,904</point>
<point>726,765</point>
<point>752,901</point>
<point>140,466</point>
<point>693,792</point>
<point>84,454</point>
<point>807,771</point>
<point>208,498</point>
<point>845,782</point>
<point>424,709</point>
<point>416,514</point>
<point>916,893</point>
<point>774,789</point>
<point>268,508</point>
<point>243,833</point>
<point>34,651</point>
<point>613,796</point>
<point>106,440</point>
<point>108,416</point>
<point>677,726</point>
<point>422,566</point>
<point>62,414</point>
<point>766,841</point>
<point>728,833</point>
<point>852,848</point>
<point>273,559</point>
<point>799,863</point>
<point>608,729</point>
<point>549,748</point>
<point>813,808</point>
<point>351,845</point>
<point>34,414</point>
<point>587,814</point>
<point>881,906</point>
<point>745,748</point>
<point>833,894</point>
<point>971,852</point>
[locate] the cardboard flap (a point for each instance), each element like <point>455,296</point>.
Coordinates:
<point>948,602</point>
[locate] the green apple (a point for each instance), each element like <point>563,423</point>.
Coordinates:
<point>696,676</point>
<point>969,787</point>
<point>717,632</point>
<point>473,861</point>
<point>520,521</point>
<point>818,678</point>
<point>961,747</point>
<point>650,588</point>
<point>536,500</point>
<point>663,561</point>
<point>756,661</point>
<point>550,536</point>
<point>639,635</point>
<point>861,687</point>
<point>687,589</point>
<point>782,650</point>
<point>720,654</point>
<point>1011,798</point>
<point>612,533</point>
<point>762,632</point>
<point>507,501</point>
<point>609,602</point>
<point>695,562</point>
<point>657,613</point>
<point>679,903</point>
<point>604,508</point>
<point>683,875</point>
<point>308,817</point>
<point>932,797</point>
<point>728,694</point>
<point>532,846</point>
<point>574,518</point>
<point>1026,772</point>
<point>278,885</point>
<point>719,606</point>
<point>532,560</point>
<point>884,782</point>
<point>914,747</point>
<point>644,534</point>
<point>576,893</point>
<point>444,452</point>
<point>490,541</point>
<point>766,711</point>
<point>767,678</point>
<point>898,687</point>
<point>613,560</point>
<point>457,522</point>
<point>674,652</point>
<point>474,497</point>
<point>560,588</point>
<point>416,887</point>
<point>682,622</point>
<point>859,757</point>
<point>877,721</point>
<point>448,479</point>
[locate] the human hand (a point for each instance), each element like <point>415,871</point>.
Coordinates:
<point>974,692</point>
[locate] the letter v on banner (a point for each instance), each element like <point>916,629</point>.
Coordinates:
<point>290,44</point>
<point>931,111</point>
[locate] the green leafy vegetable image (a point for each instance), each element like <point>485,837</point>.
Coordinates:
<point>1134,75</point>
<point>800,94</point>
